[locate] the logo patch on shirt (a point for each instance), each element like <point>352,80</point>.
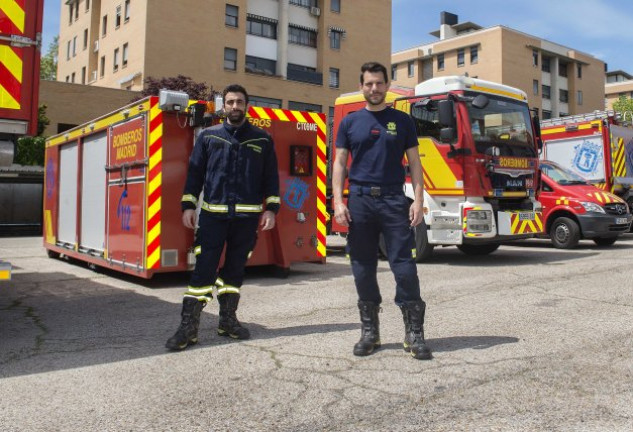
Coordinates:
<point>391,128</point>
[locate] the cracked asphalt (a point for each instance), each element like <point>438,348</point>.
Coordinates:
<point>530,338</point>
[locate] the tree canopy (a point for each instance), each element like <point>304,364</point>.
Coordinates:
<point>183,83</point>
<point>48,62</point>
<point>624,105</point>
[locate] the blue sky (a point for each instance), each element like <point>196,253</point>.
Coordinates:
<point>601,28</point>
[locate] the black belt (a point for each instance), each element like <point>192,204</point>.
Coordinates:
<point>376,191</point>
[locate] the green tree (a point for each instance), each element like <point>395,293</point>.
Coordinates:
<point>30,150</point>
<point>624,105</point>
<point>195,90</point>
<point>48,62</point>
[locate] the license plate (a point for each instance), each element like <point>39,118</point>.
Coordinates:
<point>621,221</point>
<point>526,216</point>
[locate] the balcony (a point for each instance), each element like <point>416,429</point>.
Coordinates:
<point>305,76</point>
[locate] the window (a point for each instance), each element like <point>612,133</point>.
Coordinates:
<point>546,64</point>
<point>72,78</point>
<point>117,19</point>
<point>83,75</point>
<point>460,57</point>
<point>535,87</point>
<point>302,106</point>
<point>102,67</point>
<point>231,15</point>
<point>87,5</point>
<point>67,78</point>
<point>334,77</point>
<point>304,3</point>
<point>410,69</point>
<point>535,57</point>
<point>579,97</point>
<point>440,62</point>
<point>230,59</point>
<point>474,55</point>
<point>563,95</point>
<point>335,6</point>
<point>104,25</point>
<point>126,11</point>
<point>124,55</point>
<point>546,91</point>
<point>394,72</point>
<point>77,9</point>
<point>260,26</point>
<point>68,50</point>
<point>74,46</point>
<point>427,123</point>
<point>302,36</point>
<point>579,71</point>
<point>547,114</point>
<point>261,65</point>
<point>264,102</point>
<point>85,39</point>
<point>335,39</point>
<point>562,69</point>
<point>116,60</point>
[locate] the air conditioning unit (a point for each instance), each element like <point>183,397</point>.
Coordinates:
<point>315,11</point>
<point>96,46</point>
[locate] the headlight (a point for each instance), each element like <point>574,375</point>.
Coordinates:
<point>592,207</point>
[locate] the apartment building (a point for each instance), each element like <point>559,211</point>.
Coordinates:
<point>295,54</point>
<point>558,80</point>
<point>619,83</point>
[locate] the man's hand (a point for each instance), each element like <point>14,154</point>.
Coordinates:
<point>416,215</point>
<point>341,214</point>
<point>189,218</point>
<point>268,220</point>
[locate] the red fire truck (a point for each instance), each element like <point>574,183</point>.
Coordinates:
<point>479,150</point>
<point>113,187</point>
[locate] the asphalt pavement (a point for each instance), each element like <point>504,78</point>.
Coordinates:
<point>530,338</point>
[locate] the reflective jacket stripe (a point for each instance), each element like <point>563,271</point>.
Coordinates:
<point>273,199</point>
<point>189,198</point>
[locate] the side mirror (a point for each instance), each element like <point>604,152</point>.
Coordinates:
<point>481,101</point>
<point>536,124</point>
<point>447,134</point>
<point>446,113</point>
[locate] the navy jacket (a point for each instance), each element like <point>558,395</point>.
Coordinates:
<point>237,168</point>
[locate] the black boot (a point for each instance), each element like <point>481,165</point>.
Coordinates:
<point>370,331</point>
<point>187,333</point>
<point>229,325</point>
<point>413,316</point>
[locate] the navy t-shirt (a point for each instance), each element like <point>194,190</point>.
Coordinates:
<point>377,141</point>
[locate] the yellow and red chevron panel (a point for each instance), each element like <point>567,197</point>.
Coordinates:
<point>12,22</point>
<point>154,184</point>
<point>619,158</point>
<point>605,197</point>
<point>518,226</point>
<point>317,119</point>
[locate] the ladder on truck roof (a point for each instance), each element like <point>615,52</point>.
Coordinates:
<point>578,118</point>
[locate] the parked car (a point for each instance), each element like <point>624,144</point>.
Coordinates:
<point>573,209</point>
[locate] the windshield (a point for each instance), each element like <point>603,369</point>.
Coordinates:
<point>560,175</point>
<point>503,124</point>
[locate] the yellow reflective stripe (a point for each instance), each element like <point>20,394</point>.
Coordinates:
<point>197,250</point>
<point>199,298</point>
<point>248,207</point>
<point>199,290</point>
<point>414,253</point>
<point>228,290</point>
<point>219,282</point>
<point>216,208</point>
<point>250,254</point>
<point>273,199</point>
<point>189,198</point>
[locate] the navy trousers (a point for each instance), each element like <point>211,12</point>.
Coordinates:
<point>388,214</point>
<point>238,234</point>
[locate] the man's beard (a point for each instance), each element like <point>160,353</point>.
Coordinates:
<point>236,117</point>
<point>369,100</point>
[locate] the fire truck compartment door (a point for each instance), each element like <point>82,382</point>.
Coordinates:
<point>583,156</point>
<point>93,186</point>
<point>67,220</point>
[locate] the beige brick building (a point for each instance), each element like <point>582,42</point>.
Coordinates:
<point>619,83</point>
<point>558,80</point>
<point>297,54</point>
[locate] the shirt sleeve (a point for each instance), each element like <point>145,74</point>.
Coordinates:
<point>411,134</point>
<point>341,135</point>
<point>195,175</point>
<point>271,179</point>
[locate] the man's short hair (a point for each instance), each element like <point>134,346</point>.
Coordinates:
<point>234,88</point>
<point>373,67</point>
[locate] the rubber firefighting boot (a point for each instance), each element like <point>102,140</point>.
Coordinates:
<point>370,331</point>
<point>187,333</point>
<point>229,325</point>
<point>413,316</point>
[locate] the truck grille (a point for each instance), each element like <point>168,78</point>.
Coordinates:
<point>616,208</point>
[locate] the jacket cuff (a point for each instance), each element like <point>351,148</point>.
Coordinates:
<point>186,205</point>
<point>273,207</point>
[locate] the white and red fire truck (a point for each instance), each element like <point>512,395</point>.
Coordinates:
<point>479,151</point>
<point>113,188</point>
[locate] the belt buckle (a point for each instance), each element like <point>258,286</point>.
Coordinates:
<point>374,191</point>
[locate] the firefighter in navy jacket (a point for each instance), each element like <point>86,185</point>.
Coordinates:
<point>235,166</point>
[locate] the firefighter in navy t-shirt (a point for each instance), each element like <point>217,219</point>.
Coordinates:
<point>378,138</point>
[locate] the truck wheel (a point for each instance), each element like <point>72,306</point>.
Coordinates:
<point>423,250</point>
<point>605,241</point>
<point>565,233</point>
<point>52,254</point>
<point>484,249</point>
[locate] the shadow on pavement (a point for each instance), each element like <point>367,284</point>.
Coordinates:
<point>456,343</point>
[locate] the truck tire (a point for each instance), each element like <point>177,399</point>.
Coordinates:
<point>604,241</point>
<point>564,233</point>
<point>423,249</point>
<point>52,254</point>
<point>475,250</point>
